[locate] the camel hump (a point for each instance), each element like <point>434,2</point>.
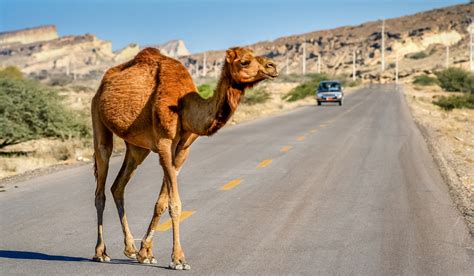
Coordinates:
<point>148,55</point>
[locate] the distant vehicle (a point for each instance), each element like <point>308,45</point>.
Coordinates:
<point>330,91</point>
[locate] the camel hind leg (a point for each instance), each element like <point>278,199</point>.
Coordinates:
<point>133,157</point>
<point>103,145</point>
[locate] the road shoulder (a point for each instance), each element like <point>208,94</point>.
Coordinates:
<point>449,139</point>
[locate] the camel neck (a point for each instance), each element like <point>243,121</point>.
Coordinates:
<point>206,117</point>
<point>226,98</point>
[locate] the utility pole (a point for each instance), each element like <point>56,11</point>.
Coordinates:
<point>204,69</point>
<point>353,64</point>
<point>304,56</point>
<point>396,69</point>
<point>383,45</point>
<point>67,67</point>
<point>286,67</point>
<point>471,31</point>
<point>319,63</point>
<point>197,68</point>
<point>447,56</point>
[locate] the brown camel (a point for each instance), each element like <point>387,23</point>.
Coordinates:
<point>152,104</point>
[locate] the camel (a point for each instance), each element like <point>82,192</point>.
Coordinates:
<point>151,103</point>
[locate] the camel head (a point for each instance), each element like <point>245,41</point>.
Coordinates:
<point>245,68</point>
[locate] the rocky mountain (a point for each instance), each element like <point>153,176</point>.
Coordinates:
<point>173,48</point>
<point>419,40</point>
<point>41,53</point>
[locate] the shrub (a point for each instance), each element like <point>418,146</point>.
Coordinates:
<point>348,82</point>
<point>29,111</point>
<point>11,72</point>
<point>205,90</point>
<point>419,55</point>
<point>456,79</point>
<point>61,80</point>
<point>306,88</point>
<point>256,95</point>
<point>425,80</point>
<point>455,101</point>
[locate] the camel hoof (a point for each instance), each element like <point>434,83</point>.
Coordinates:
<point>179,266</point>
<point>130,255</point>
<point>101,259</point>
<point>151,260</point>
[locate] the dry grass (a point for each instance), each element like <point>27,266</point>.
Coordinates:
<point>42,153</point>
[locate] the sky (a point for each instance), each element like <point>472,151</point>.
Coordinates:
<point>202,24</point>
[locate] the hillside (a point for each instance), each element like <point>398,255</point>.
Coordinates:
<point>426,32</point>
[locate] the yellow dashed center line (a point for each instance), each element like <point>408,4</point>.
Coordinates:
<point>231,184</point>
<point>167,224</point>
<point>300,138</point>
<point>285,149</point>
<point>323,125</point>
<point>264,163</point>
<point>313,130</point>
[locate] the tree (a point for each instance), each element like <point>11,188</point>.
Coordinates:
<point>29,110</point>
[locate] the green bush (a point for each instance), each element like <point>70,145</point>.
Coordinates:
<point>348,82</point>
<point>306,88</point>
<point>419,55</point>
<point>455,101</point>
<point>205,90</point>
<point>28,110</point>
<point>456,80</point>
<point>256,95</point>
<point>61,80</point>
<point>425,80</point>
<point>11,72</point>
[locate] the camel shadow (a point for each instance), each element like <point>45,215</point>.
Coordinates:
<point>26,255</point>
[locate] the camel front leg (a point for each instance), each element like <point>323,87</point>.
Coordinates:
<point>174,204</point>
<point>145,255</point>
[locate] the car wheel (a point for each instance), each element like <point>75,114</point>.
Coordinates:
<point>319,103</point>
<point>340,102</point>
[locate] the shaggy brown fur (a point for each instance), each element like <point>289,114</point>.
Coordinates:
<point>152,104</point>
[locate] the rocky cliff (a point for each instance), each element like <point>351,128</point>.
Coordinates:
<point>30,35</point>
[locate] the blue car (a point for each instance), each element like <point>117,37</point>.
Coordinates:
<point>330,91</point>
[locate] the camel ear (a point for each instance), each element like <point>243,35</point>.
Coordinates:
<point>230,55</point>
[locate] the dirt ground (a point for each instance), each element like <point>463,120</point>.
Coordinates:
<point>450,137</point>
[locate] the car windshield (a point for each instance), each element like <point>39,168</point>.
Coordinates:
<point>329,86</point>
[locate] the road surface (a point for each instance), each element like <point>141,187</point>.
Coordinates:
<point>319,190</point>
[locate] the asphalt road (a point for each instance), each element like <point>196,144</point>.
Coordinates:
<point>319,190</point>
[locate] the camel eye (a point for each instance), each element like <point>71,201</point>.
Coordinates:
<point>245,62</point>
